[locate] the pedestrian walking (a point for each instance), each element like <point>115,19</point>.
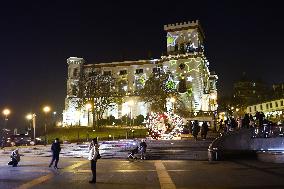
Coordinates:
<point>15,158</point>
<point>204,130</point>
<point>94,155</point>
<point>55,148</point>
<point>195,129</point>
<point>143,147</point>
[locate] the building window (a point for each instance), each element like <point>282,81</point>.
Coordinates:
<point>249,109</point>
<point>270,104</point>
<point>122,72</point>
<point>267,106</point>
<point>261,107</point>
<point>156,70</point>
<point>276,104</point>
<point>75,72</point>
<point>107,72</point>
<point>255,108</point>
<point>281,102</point>
<point>139,71</point>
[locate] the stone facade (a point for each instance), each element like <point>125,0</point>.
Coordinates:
<point>185,60</point>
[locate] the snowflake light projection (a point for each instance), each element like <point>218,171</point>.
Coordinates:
<point>165,126</point>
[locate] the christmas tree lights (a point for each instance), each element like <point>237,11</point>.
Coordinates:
<point>164,126</point>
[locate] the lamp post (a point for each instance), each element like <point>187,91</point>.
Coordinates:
<point>131,103</point>
<point>46,110</point>
<point>31,118</point>
<point>78,116</point>
<point>88,107</point>
<point>212,103</point>
<point>6,112</point>
<point>173,100</point>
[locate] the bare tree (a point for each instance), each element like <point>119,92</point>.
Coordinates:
<point>157,89</point>
<point>97,89</point>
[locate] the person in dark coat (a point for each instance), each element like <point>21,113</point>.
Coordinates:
<point>55,148</point>
<point>195,129</point>
<point>204,130</point>
<point>143,147</point>
<point>15,158</point>
<point>189,126</point>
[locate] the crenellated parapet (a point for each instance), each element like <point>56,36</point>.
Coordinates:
<point>178,26</point>
<point>75,60</point>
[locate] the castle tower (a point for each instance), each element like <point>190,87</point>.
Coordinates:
<point>74,74</point>
<point>186,59</point>
<point>184,37</point>
<point>75,69</point>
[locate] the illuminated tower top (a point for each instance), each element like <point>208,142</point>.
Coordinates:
<point>184,37</point>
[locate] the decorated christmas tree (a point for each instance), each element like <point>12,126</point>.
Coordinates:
<point>164,125</point>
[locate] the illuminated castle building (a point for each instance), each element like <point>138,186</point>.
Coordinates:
<point>185,60</point>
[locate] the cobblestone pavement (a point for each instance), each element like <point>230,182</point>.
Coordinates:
<point>34,173</point>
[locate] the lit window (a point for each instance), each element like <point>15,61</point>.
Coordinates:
<point>122,72</point>
<point>107,72</point>
<point>139,71</point>
<point>156,70</point>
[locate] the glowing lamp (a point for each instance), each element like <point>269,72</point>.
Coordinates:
<point>6,112</point>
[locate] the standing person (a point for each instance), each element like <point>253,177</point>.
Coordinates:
<point>204,130</point>
<point>143,147</point>
<point>195,129</point>
<point>15,158</point>
<point>221,126</point>
<point>55,148</point>
<point>189,126</point>
<point>93,156</point>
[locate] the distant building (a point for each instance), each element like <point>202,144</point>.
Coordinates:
<point>185,60</point>
<point>273,109</point>
<point>247,92</point>
<point>278,90</point>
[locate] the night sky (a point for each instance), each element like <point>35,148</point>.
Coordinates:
<point>36,38</point>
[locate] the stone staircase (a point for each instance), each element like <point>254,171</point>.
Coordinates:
<point>178,149</point>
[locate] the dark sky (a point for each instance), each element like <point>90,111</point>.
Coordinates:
<point>36,38</point>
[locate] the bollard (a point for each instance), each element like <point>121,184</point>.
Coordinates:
<point>213,155</point>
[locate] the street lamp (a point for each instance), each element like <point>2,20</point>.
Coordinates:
<point>212,101</point>
<point>88,107</point>
<point>31,118</point>
<point>173,100</point>
<point>131,103</point>
<point>46,110</point>
<point>6,112</point>
<point>78,115</point>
